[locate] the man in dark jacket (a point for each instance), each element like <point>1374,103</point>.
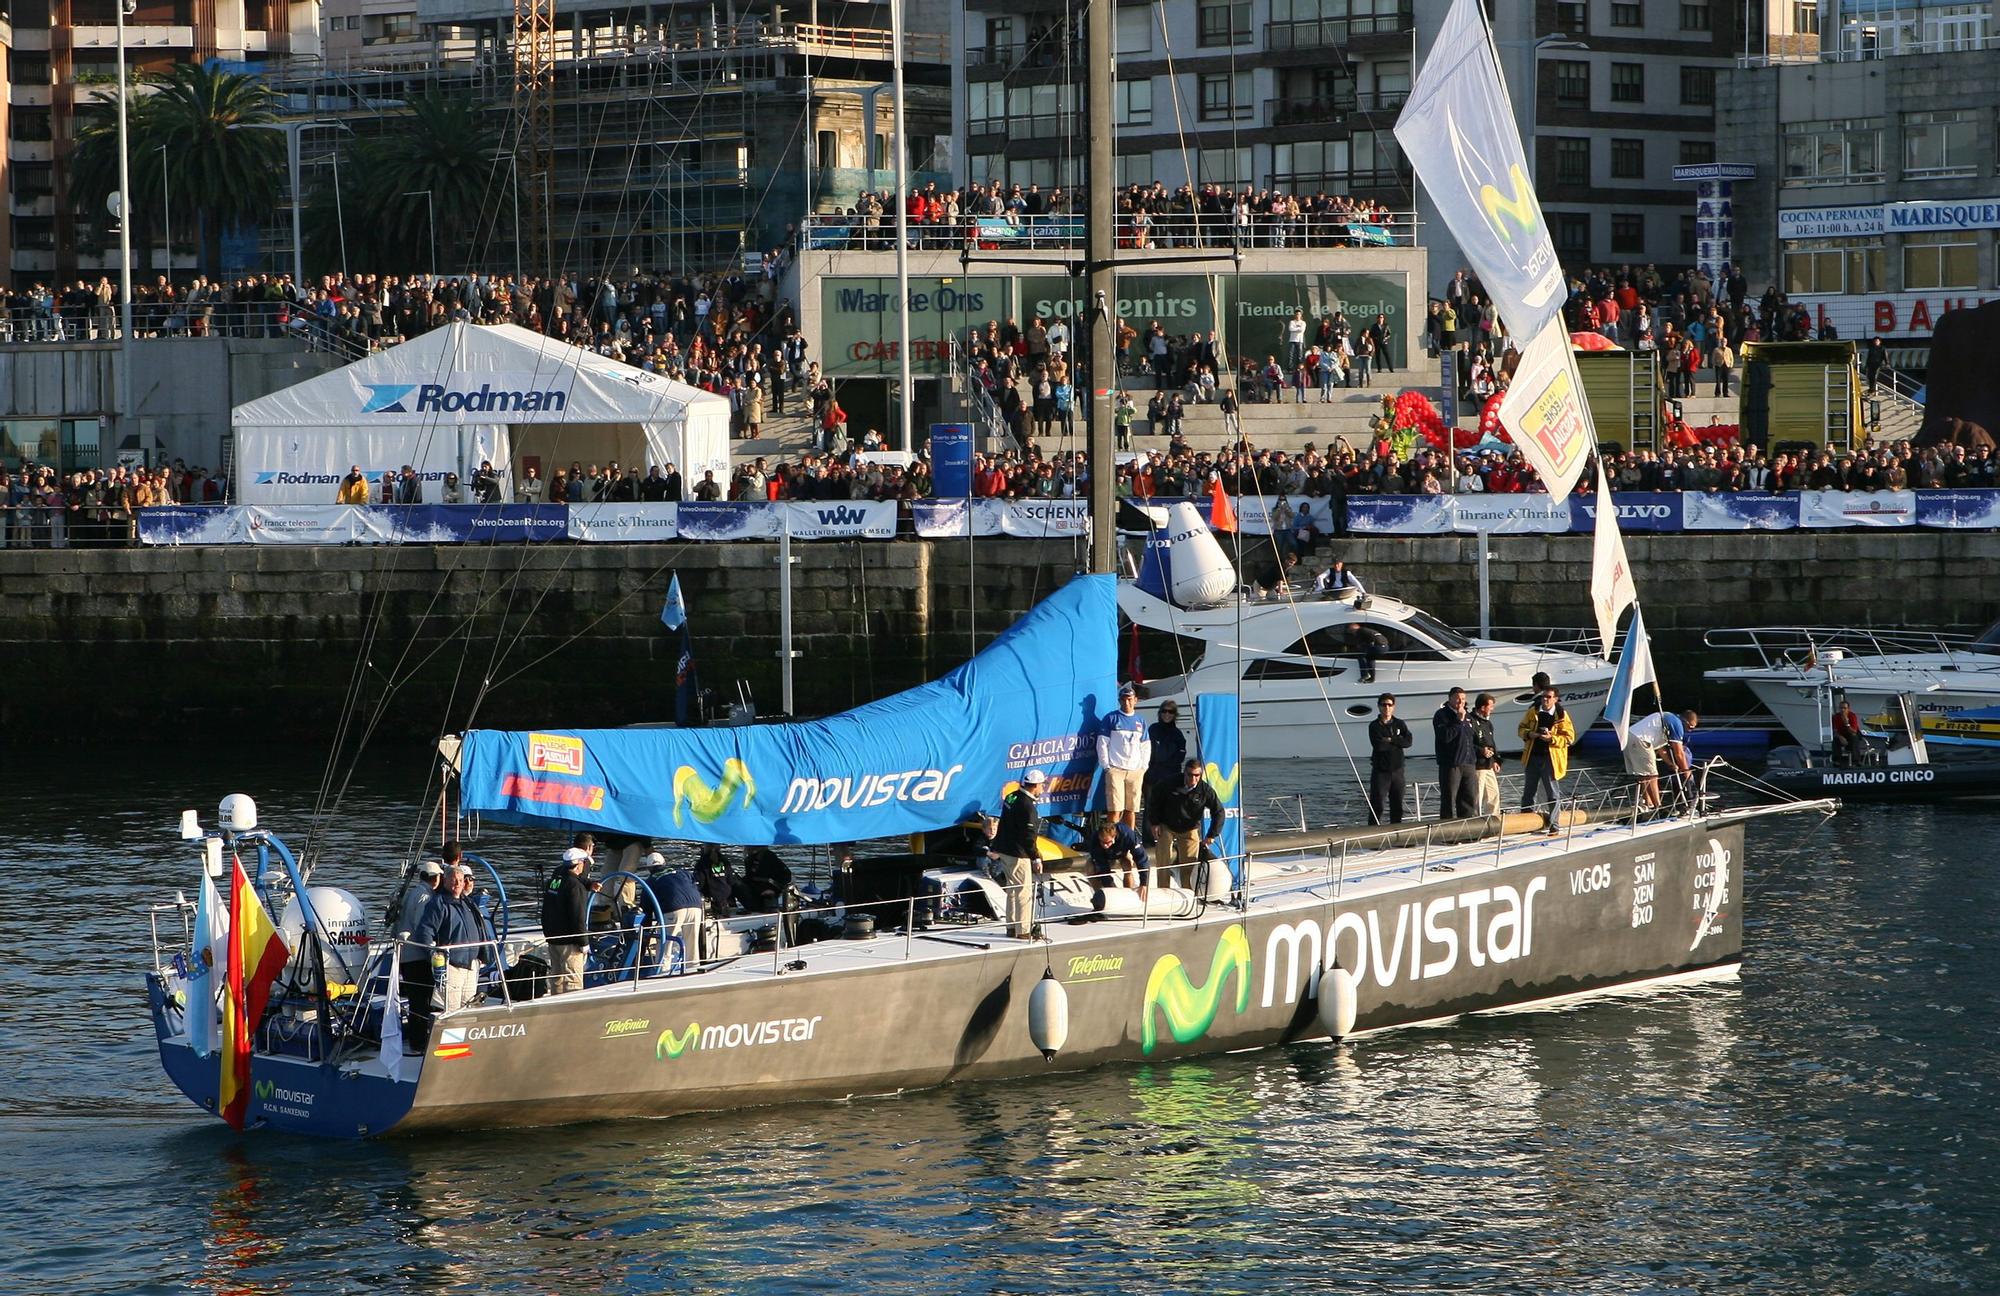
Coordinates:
<point>1486,756</point>
<point>566,915</point>
<point>680,900</point>
<point>1117,856</point>
<point>1017,846</point>
<point>1458,768</point>
<point>1388,739</point>
<point>451,929</point>
<point>1169,747</point>
<point>1186,816</point>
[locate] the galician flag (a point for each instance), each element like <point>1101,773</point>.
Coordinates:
<point>211,953</point>
<point>1635,669</point>
<point>1611,586</point>
<point>256,955</point>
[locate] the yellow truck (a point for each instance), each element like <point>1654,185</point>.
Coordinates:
<point>1802,392</point>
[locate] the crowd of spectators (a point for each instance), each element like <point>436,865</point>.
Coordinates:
<point>1148,216</point>
<point>92,508</point>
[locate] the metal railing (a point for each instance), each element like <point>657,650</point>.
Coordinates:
<point>1804,647</point>
<point>1186,230</point>
<point>31,326</point>
<point>1314,33</point>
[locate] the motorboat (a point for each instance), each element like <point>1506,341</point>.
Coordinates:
<point>1300,660</point>
<point>1800,669</point>
<point>1890,763</point>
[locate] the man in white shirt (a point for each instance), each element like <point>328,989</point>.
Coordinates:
<point>1644,741</point>
<point>1124,750</point>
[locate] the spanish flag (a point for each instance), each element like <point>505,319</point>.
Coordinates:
<point>256,956</point>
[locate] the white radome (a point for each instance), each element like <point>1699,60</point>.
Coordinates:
<point>345,923</point>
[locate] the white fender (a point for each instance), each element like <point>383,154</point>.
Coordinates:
<point>1336,1002</point>
<point>1048,1015</point>
<point>1198,572</point>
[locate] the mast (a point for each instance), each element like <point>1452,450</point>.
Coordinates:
<point>1101,309</point>
<point>902,228</point>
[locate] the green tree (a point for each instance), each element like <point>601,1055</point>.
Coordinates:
<point>215,175</point>
<point>443,147</point>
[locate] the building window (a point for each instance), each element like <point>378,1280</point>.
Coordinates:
<point>1136,169</point>
<point>1628,159</point>
<point>1940,259</point>
<point>1697,152</point>
<point>1695,17</point>
<point>1833,265</point>
<point>1698,86</point>
<point>1572,161</point>
<point>1628,232</point>
<point>1627,15</point>
<point>1690,245</point>
<point>1135,103</point>
<point>1805,17</point>
<point>1938,143</point>
<point>1223,22</point>
<point>1225,97</point>
<point>1573,82</point>
<point>1135,30</point>
<point>1848,151</point>
<point>1628,83</point>
<point>1573,234</point>
<point>1573,17</point>
<point>1224,166</point>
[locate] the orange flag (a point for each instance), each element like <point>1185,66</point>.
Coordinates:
<point>1221,513</point>
<point>256,955</point>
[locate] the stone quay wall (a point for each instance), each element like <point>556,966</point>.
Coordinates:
<point>168,642</point>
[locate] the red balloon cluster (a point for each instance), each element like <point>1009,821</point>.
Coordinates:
<point>1414,412</point>
<point>1489,424</point>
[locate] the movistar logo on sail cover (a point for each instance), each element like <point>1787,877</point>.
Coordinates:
<point>436,398</point>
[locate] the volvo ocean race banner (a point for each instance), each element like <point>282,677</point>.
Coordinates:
<point>1399,514</point>
<point>1222,765</point>
<point>727,520</point>
<point>1637,511</point>
<point>1025,519</point>
<point>1970,509</point>
<point>1857,508</point>
<point>1509,514</point>
<point>920,760</point>
<point>626,522</point>
<point>1739,511</point>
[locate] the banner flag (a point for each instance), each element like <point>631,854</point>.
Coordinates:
<point>674,613</point>
<point>917,761</point>
<point>1612,588</point>
<point>1222,765</point>
<point>210,954</point>
<point>1457,129</point>
<point>1635,668</point>
<point>1544,409</point>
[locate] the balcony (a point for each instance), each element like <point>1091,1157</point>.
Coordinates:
<point>1342,183</point>
<point>1305,111</point>
<point>1025,126</point>
<point>1021,55</point>
<point>1318,33</point>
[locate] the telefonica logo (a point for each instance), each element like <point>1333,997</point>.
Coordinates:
<point>436,398</point>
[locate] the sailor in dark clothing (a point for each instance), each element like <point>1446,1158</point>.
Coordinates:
<point>1177,812</point>
<point>766,878</point>
<point>1388,739</point>
<point>712,875</point>
<point>1117,856</point>
<point>680,900</point>
<point>1169,748</point>
<point>1369,644</point>
<point>1457,758</point>
<point>452,930</point>
<point>566,916</point>
<point>1017,847</point>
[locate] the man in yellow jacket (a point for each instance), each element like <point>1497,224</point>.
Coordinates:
<point>353,487</point>
<point>1546,734</point>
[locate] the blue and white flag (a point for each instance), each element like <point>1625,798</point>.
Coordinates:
<point>675,614</point>
<point>1635,668</point>
<point>211,933</point>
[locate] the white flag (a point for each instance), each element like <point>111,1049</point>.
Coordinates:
<point>1635,668</point>
<point>1457,128</point>
<point>1543,409</point>
<point>1611,586</point>
<point>206,966</point>
<point>392,1022</point>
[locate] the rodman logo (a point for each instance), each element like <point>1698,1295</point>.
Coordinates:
<point>436,398</point>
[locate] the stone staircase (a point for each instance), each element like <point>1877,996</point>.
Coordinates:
<point>1286,424</point>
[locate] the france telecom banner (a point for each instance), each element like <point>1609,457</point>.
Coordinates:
<point>1857,508</point>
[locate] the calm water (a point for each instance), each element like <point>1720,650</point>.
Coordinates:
<point>1824,1125</point>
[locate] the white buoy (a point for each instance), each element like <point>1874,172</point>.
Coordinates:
<point>1199,575</point>
<point>1048,1015</point>
<point>1336,1002</point>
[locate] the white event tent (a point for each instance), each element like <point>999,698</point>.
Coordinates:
<point>446,400</point>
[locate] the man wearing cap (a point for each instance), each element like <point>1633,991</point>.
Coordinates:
<point>566,915</point>
<point>1177,812</point>
<point>1017,846</point>
<point>451,929</point>
<point>416,963</point>
<point>680,898</point>
<point>1124,749</point>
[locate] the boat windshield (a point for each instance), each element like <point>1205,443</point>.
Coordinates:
<point>1441,634</point>
<point>1988,642</point>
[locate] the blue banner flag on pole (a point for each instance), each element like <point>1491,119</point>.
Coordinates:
<point>674,613</point>
<point>1221,764</point>
<point>1635,668</point>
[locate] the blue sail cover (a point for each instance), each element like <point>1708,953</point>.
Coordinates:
<point>920,760</point>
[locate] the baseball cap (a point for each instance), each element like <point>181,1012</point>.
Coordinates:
<point>430,868</point>
<point>656,860</point>
<point>1033,777</point>
<point>1127,690</point>
<point>573,855</point>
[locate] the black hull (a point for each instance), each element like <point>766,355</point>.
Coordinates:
<point>1894,784</point>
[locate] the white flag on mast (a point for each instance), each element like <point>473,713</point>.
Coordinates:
<point>1635,668</point>
<point>1612,589</point>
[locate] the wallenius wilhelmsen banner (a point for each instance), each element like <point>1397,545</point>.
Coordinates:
<point>920,760</point>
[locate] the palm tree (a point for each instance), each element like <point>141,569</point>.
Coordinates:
<point>217,174</point>
<point>440,147</point>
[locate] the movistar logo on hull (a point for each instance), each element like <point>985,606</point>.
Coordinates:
<point>1191,1010</point>
<point>436,398</point>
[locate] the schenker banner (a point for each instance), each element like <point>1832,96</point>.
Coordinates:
<point>920,760</point>
<point>1024,519</point>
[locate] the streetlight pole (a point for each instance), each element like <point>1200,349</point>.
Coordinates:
<point>292,130</point>
<point>430,205</point>
<point>167,210</point>
<point>123,8</point>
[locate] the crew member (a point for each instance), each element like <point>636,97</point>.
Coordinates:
<point>566,915</point>
<point>450,929</point>
<point>680,897</point>
<point>1369,644</point>
<point>1178,812</point>
<point>416,963</point>
<point>1662,730</point>
<point>1486,754</point>
<point>1388,739</point>
<point>1017,846</point>
<point>1546,734</point>
<point>1457,758</point>
<point>1124,750</point>
<point>1338,580</point>
<point>1849,747</point>
<point>1117,856</point>
<point>1169,747</point>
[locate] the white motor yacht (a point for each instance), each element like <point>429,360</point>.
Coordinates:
<point>1800,669</point>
